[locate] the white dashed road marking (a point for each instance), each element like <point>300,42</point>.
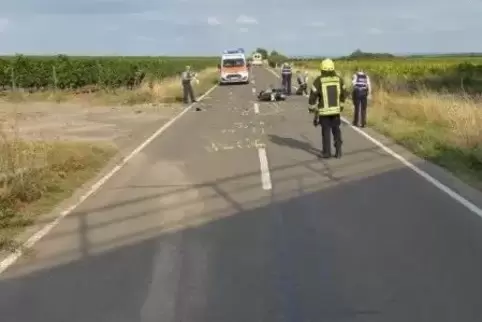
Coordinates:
<point>264,167</point>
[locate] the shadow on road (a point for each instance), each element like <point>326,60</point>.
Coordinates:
<point>293,143</point>
<point>331,242</point>
<point>306,254</point>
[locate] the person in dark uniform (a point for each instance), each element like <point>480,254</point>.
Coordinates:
<point>187,77</point>
<point>361,90</point>
<point>328,91</point>
<point>302,80</point>
<point>286,75</point>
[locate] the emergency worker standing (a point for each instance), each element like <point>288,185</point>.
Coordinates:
<point>187,77</point>
<point>286,74</point>
<point>361,91</point>
<point>328,91</point>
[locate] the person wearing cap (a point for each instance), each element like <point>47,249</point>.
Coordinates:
<point>328,94</point>
<point>186,78</point>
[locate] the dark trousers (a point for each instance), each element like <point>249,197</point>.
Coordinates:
<point>302,89</point>
<point>330,125</point>
<point>360,102</point>
<point>286,83</point>
<point>187,91</point>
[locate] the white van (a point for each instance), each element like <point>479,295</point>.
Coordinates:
<point>233,67</point>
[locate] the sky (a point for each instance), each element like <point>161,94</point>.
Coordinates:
<point>206,27</point>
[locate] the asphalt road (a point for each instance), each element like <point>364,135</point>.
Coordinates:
<point>191,231</point>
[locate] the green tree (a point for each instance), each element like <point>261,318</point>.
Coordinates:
<point>263,52</point>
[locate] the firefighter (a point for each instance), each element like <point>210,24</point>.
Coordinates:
<point>286,74</point>
<point>328,91</point>
<point>361,91</point>
<point>187,77</point>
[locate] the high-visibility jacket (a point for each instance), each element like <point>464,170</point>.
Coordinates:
<point>329,93</point>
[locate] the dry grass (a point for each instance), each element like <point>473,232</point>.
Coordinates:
<point>37,175</point>
<point>168,90</point>
<point>444,129</point>
<point>155,91</point>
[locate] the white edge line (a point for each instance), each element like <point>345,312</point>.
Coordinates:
<point>264,167</point>
<point>256,108</point>
<point>13,257</point>
<point>452,194</point>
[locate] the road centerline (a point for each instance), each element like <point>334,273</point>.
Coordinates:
<point>264,167</point>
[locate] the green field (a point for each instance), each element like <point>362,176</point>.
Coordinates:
<point>440,73</point>
<point>63,72</point>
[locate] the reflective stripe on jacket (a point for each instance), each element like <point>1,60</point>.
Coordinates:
<point>286,70</point>
<point>361,80</point>
<point>330,93</point>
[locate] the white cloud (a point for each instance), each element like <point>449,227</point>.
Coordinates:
<point>213,21</point>
<point>375,31</point>
<point>4,24</point>
<point>246,20</point>
<point>144,38</point>
<point>243,29</point>
<point>316,24</point>
<point>150,16</point>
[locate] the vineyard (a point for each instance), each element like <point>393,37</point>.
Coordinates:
<point>63,72</point>
<point>447,73</point>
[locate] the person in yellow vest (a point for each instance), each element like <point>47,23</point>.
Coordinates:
<point>326,100</point>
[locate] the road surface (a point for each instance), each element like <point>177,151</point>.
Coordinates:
<point>229,216</point>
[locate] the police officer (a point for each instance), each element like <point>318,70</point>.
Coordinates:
<point>286,75</point>
<point>187,77</point>
<point>328,91</point>
<point>361,90</point>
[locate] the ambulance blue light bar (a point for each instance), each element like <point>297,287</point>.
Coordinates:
<point>234,51</point>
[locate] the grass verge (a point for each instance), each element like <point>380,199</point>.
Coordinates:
<point>443,129</point>
<point>154,91</point>
<point>36,176</point>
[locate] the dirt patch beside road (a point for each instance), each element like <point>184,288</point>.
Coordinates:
<point>67,121</point>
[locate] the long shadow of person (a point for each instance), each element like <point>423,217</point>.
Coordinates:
<point>294,143</point>
<point>327,171</point>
